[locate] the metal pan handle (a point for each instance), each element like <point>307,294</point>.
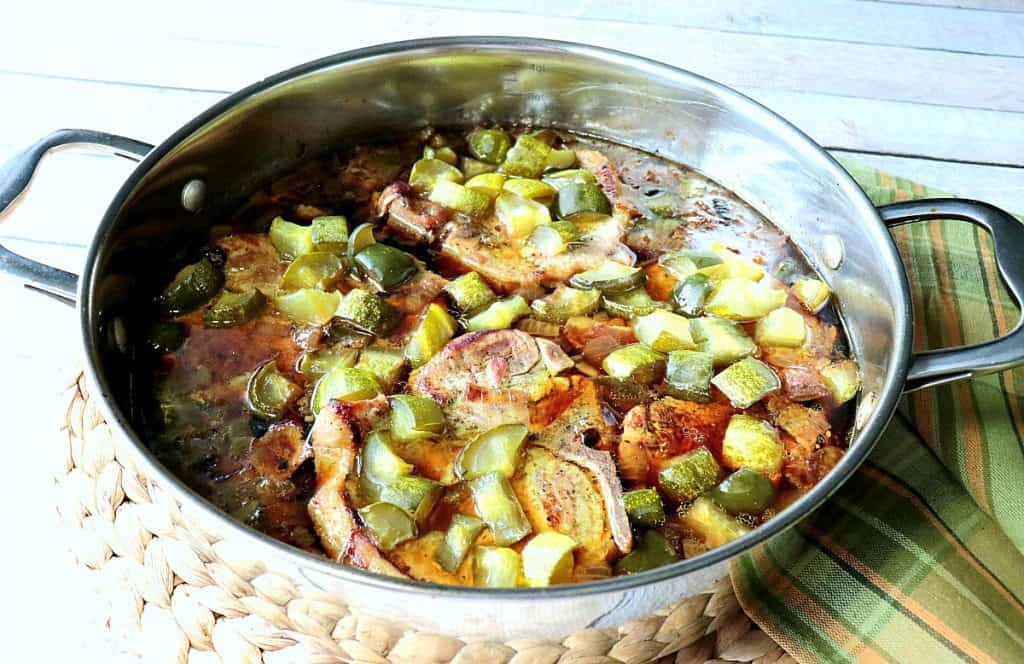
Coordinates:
<point>15,177</point>
<point>935,367</point>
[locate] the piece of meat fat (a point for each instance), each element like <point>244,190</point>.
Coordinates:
<point>604,171</point>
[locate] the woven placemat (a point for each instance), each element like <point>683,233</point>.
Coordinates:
<point>175,594</point>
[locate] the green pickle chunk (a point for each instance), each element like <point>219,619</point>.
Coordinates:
<point>489,145</point>
<point>688,296</point>
<point>458,540</point>
<point>747,382</point>
<point>317,269</point>
<point>688,375</point>
<point>415,495</point>
<point>497,505</point>
<point>652,551</point>
<point>368,313</point>
<point>576,199</point>
<point>548,559</point>
<point>689,475</point>
<point>644,508</point>
<point>389,525</point>
<point>192,287</point>
<point>268,393</point>
<point>231,309</point>
<point>499,315</point>
<point>497,567</point>
<point>469,294</point>
<point>753,444</point>
<point>343,384</point>
<point>610,278</point>
<point>433,330</point>
<point>564,303</point>
<point>290,240</point>
<point>415,418</point>
<point>637,362</point>
<point>385,365</point>
<point>494,451</point>
<point>384,266</point>
<point>744,492</point>
<point>527,158</point>
<point>330,234</point>
<point>308,306</point>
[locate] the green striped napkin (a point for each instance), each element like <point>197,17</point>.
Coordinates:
<point>918,558</point>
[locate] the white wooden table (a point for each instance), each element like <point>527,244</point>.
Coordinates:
<point>928,89</point>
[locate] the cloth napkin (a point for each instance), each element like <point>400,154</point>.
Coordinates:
<point>919,557</point>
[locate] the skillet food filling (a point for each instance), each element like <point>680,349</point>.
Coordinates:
<point>499,358</point>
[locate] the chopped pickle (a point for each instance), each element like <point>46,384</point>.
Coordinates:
<point>361,238</point>
<point>317,269</point>
<point>389,525</point>
<point>497,567</point>
<point>415,418</point>
<point>701,258</point>
<point>688,296</point>
<point>487,183</point>
<point>712,523</point>
<point>548,559</point>
<point>462,533</point>
<point>538,328</point>
<point>610,278</point>
<point>308,306</point>
<point>564,303</point>
<point>644,508</point>
<point>385,267</point>
<point>166,337</point>
<point>812,293</point>
<point>461,199</point>
<point>384,365</point>
<point>527,158</point>
<point>630,304</point>
<point>472,167</point>
<point>498,506</point>
<point>330,234</point>
<point>842,379</point>
<point>753,444</point>
<point>732,266</point>
<point>290,240</point>
<point>577,199</point>
<point>678,265</point>
<point>663,204</point>
<point>559,179</point>
<point>489,145</point>
<point>426,173</point>
<point>689,475</point>
<point>344,384</point>
<point>554,238</point>
<point>518,215</point>
<point>433,330</point>
<point>499,315</point>
<point>495,451</point>
<point>622,395</point>
<point>744,492</point>
<point>783,327</point>
<point>232,309</point>
<point>637,362</point>
<point>445,154</point>
<point>746,382</point>
<point>268,393</point>
<point>192,287</point>
<point>315,363</point>
<point>368,313</point>
<point>652,551</point>
<point>535,190</point>
<point>664,331</point>
<point>688,375</point>
<point>469,294</point>
<point>561,158</point>
<point>415,495</point>
<point>741,299</point>
<point>725,340</point>
<point>379,462</point>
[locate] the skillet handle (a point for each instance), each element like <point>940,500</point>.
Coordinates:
<point>15,177</point>
<point>935,367</point>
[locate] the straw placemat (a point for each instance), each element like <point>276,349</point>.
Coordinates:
<point>174,593</point>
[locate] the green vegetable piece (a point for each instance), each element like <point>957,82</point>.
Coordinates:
<point>688,296</point>
<point>314,364</point>
<point>812,293</point>
<point>548,559</point>
<point>744,492</point>
<point>561,159</point>
<point>498,506</point>
<point>564,303</point>
<point>534,190</point>
<point>433,330</point>
<point>652,551</point>
<point>361,238</point>
<point>343,384</point>
<point>378,461</point>
<point>518,215</point>
<point>732,266</point>
<point>415,495</point>
<point>712,523</point>
<point>644,508</point>
<point>497,567</point>
<point>630,304</point>
<point>445,154</point>
<point>548,136</point>
<point>385,267</point>
<point>663,205</point>
<point>495,451</point>
<point>426,173</point>
<point>787,271</point>
<point>499,315</point>
<point>725,340</point>
<point>290,240</point>
<point>384,365</point>
<point>783,327</point>
<point>489,145</point>
<point>842,379</point>
<point>622,395</point>
<point>527,158</point>
<point>559,179</point>
<point>317,269</point>
<point>487,183</point>
<point>473,167</point>
<point>688,375</point>
<point>664,331</point>
<point>554,238</point>
<point>610,278</point>
<point>458,540</point>
<point>415,418</point>
<point>753,444</point>
<point>231,309</point>
<point>747,382</point>
<point>636,362</point>
<point>192,287</point>
<point>678,265</point>
<point>701,258</point>
<point>689,475</point>
<point>269,393</point>
<point>741,299</point>
<point>308,306</point>
<point>469,294</point>
<point>579,199</point>
<point>166,337</point>
<point>461,199</point>
<point>330,234</point>
<point>366,312</point>
<point>389,525</point>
